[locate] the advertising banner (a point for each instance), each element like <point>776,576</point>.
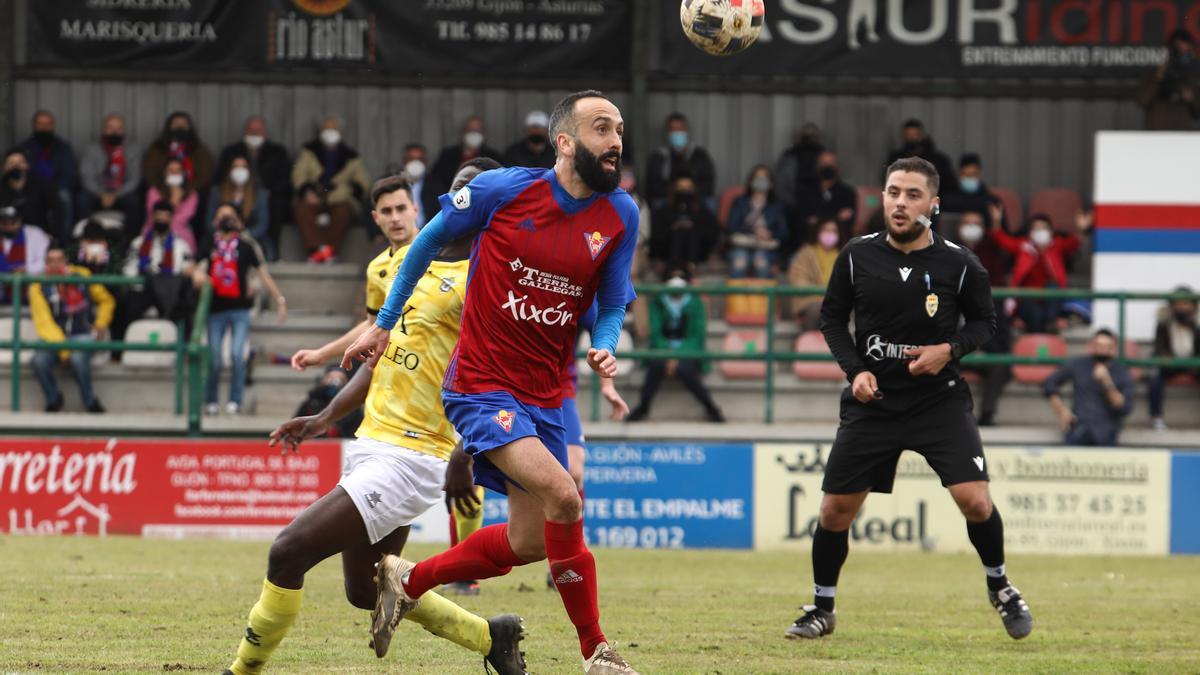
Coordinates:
<point>158,487</point>
<point>1185,501</point>
<point>1059,501</point>
<point>663,495</point>
<point>429,37</point>
<point>943,39</point>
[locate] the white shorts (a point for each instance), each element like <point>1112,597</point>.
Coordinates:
<point>390,485</point>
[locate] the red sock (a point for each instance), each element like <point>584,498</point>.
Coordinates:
<point>453,530</point>
<point>483,555</point>
<point>574,571</point>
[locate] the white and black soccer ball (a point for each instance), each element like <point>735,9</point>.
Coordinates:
<point>722,27</point>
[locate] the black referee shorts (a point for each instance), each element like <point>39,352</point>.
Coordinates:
<point>868,446</point>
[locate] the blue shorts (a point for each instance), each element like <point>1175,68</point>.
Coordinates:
<point>494,419</point>
<point>571,421</point>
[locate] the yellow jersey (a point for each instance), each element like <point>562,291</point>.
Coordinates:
<point>404,402</point>
<point>380,273</point>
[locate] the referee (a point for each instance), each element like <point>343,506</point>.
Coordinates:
<point>907,289</point>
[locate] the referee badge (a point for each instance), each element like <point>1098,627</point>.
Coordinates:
<point>931,304</point>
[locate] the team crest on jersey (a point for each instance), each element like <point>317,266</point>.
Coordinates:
<point>447,284</point>
<point>931,304</point>
<point>596,242</point>
<point>505,419</point>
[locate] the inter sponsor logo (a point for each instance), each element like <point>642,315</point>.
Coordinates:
<point>878,349</point>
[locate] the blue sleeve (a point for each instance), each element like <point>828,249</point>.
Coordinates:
<point>464,212</point>
<point>616,284</point>
<point>469,210</point>
<point>588,320</point>
<point>424,248</point>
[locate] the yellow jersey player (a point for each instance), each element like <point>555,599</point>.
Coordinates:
<point>392,473</point>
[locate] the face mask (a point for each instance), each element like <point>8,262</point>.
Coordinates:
<point>253,142</point>
<point>227,224</point>
<point>827,172</point>
<point>1041,237</point>
<point>969,185</point>
<point>1102,358</point>
<point>239,175</point>
<point>415,169</point>
<point>828,240</point>
<point>760,184</point>
<point>678,139</point>
<point>174,180</point>
<point>538,139</point>
<point>113,139</point>
<point>160,228</point>
<point>970,233</point>
<point>43,137</point>
<point>1183,317</point>
<point>677,282</point>
<point>684,199</point>
<point>180,135</point>
<point>473,140</point>
<point>331,137</point>
<point>95,250</point>
<point>14,175</point>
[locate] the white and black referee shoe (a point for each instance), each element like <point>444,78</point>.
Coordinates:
<point>1018,621</point>
<point>814,623</point>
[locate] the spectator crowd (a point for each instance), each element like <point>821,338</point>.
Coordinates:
<point>174,214</point>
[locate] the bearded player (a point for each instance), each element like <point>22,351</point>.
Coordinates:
<point>547,242</point>
<point>920,303</point>
<point>393,473</point>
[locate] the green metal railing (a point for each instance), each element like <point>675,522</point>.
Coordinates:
<point>771,356</point>
<point>190,354</point>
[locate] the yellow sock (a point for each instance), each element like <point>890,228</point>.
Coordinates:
<point>467,524</point>
<point>269,621</point>
<point>447,620</point>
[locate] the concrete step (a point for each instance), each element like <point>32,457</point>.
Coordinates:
<point>322,289</point>
<point>301,331</point>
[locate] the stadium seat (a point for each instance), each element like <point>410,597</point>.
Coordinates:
<point>28,332</point>
<point>870,200</point>
<point>1061,204</point>
<point>1183,380</point>
<point>749,342</point>
<point>1012,204</point>
<point>156,331</point>
<point>1042,345</point>
<point>813,342</point>
<point>747,310</point>
<point>725,205</point>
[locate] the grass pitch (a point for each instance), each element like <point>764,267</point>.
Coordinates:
<point>133,605</point>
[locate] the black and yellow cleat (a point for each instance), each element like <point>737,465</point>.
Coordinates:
<point>506,656</point>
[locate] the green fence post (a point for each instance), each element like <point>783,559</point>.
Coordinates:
<point>179,356</point>
<point>770,412</point>
<point>16,351</point>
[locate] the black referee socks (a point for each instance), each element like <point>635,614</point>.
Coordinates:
<point>829,551</point>
<point>988,539</point>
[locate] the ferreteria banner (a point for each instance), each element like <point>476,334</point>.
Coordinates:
<point>166,488</point>
<point>944,38</point>
<point>503,38</point>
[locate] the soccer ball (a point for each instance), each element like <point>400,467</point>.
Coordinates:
<point>722,27</point>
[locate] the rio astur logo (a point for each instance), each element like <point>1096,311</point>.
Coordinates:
<point>322,32</point>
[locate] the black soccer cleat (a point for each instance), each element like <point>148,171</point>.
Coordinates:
<point>506,656</point>
<point>1018,621</point>
<point>814,623</point>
